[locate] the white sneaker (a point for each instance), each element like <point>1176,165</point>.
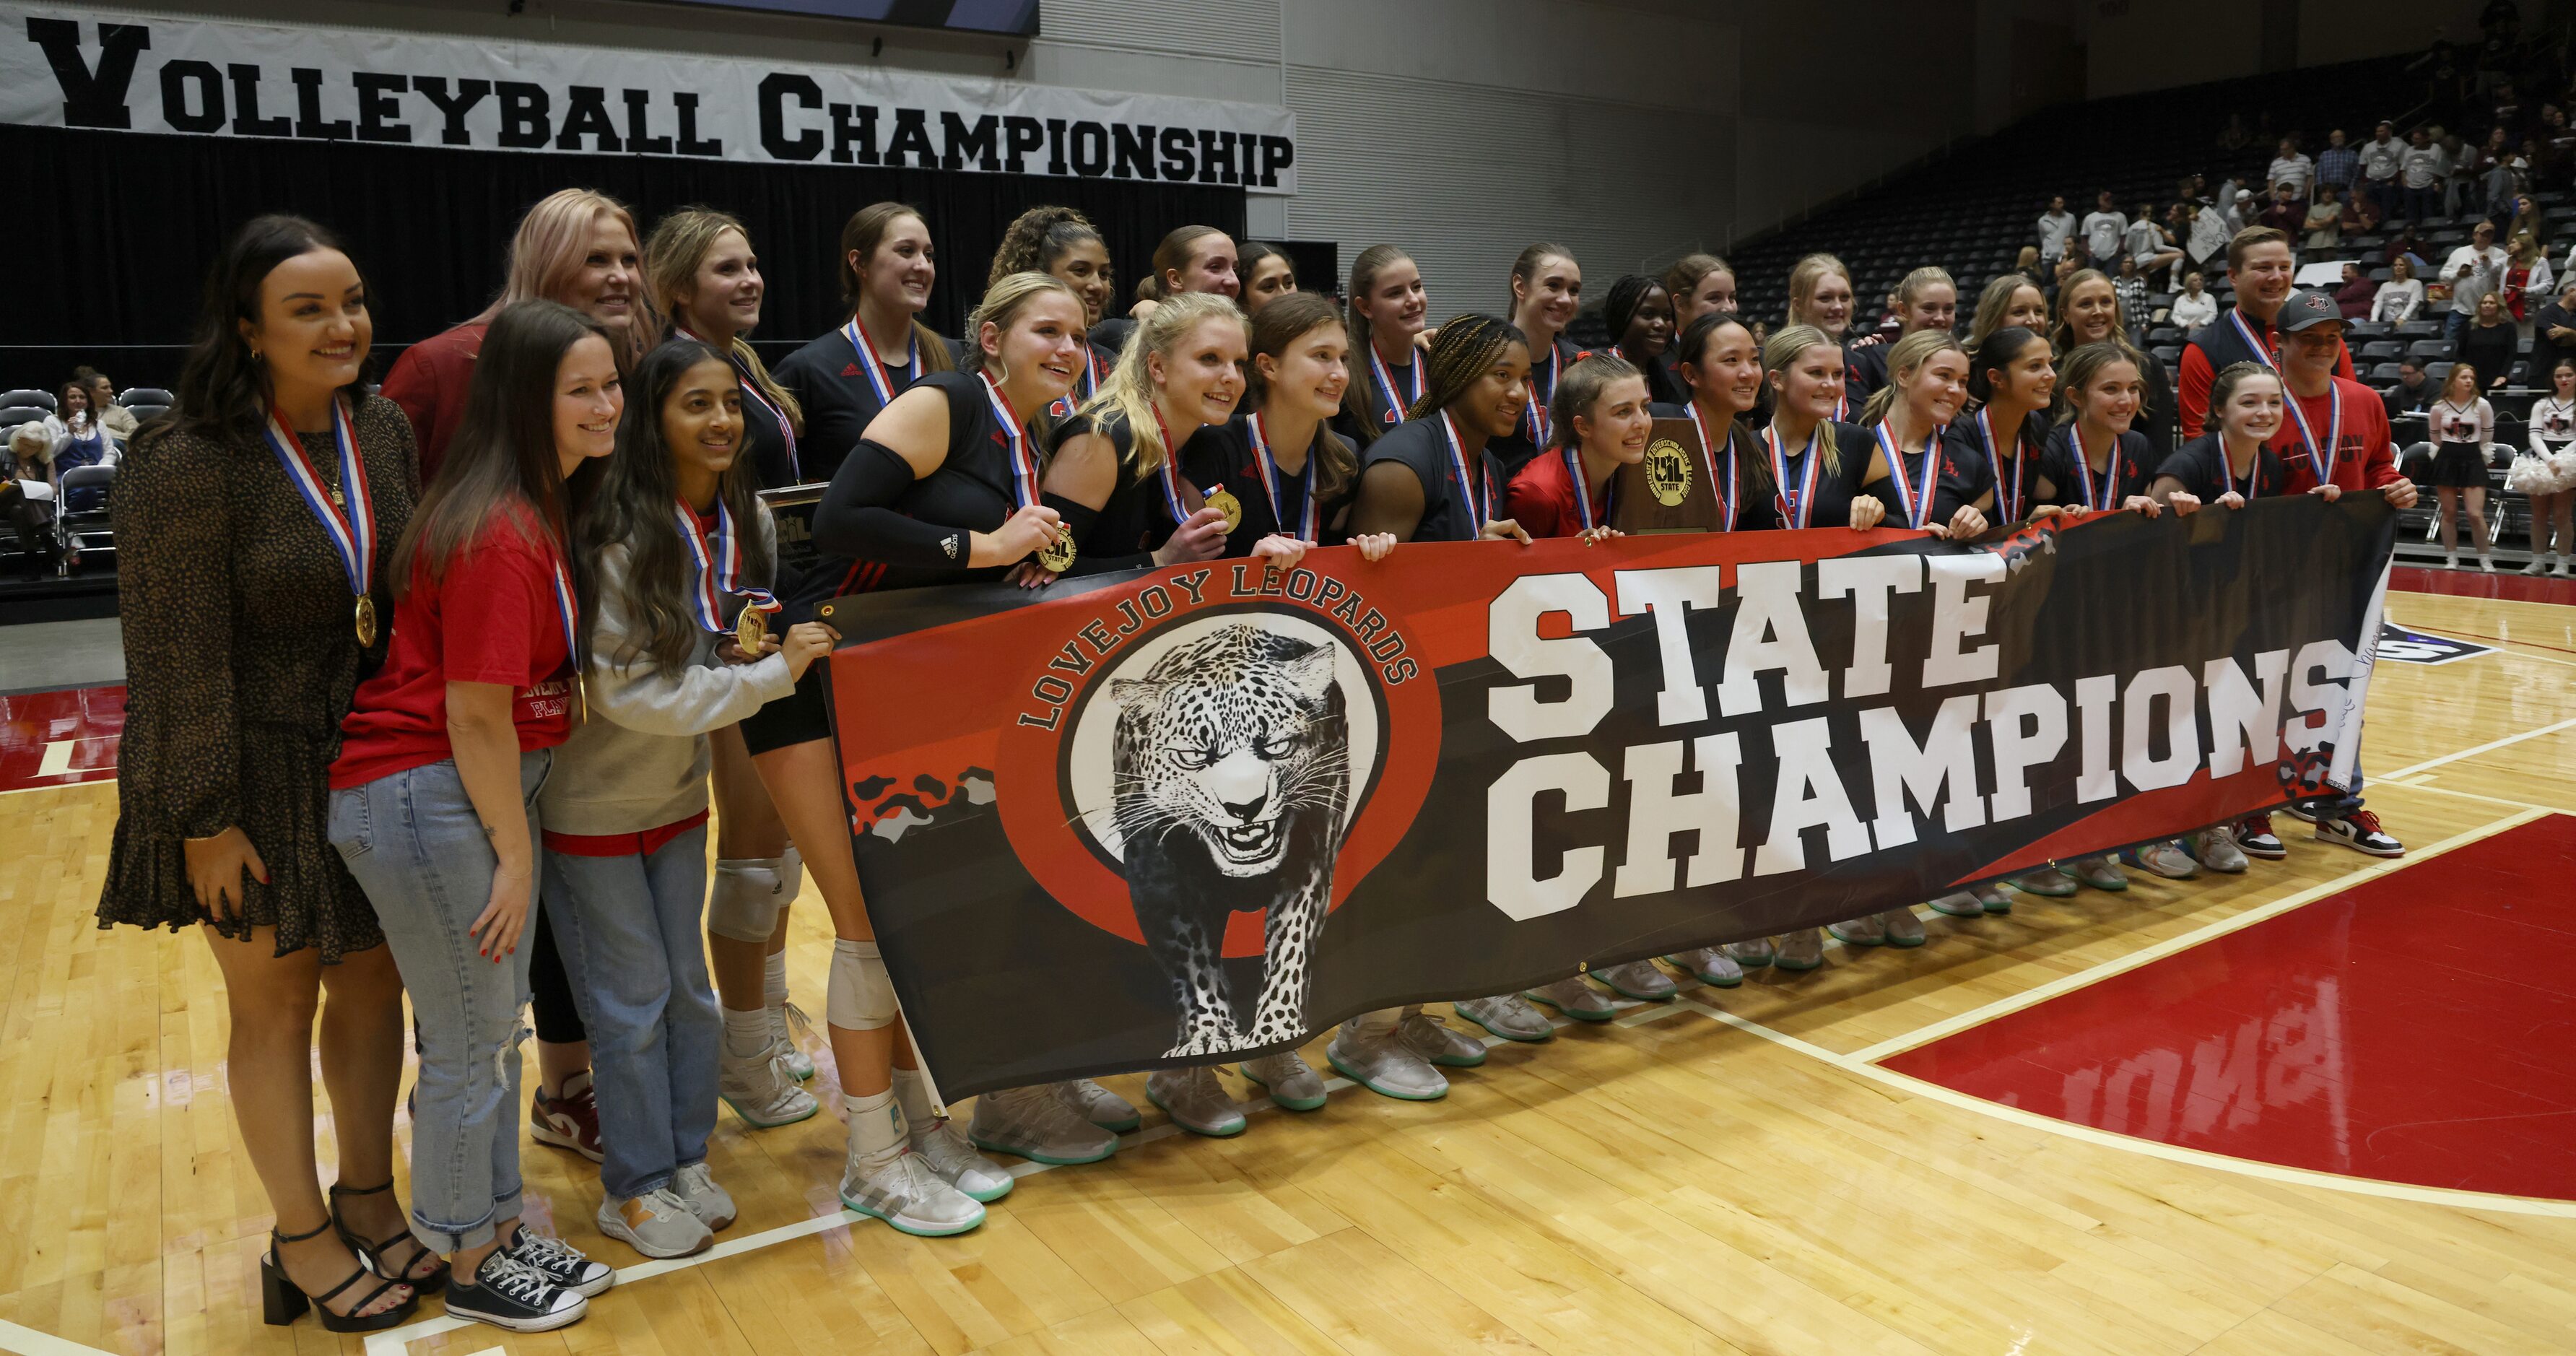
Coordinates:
<point>762,1088</point>
<point>696,1187</point>
<point>1040,1124</point>
<point>908,1194</point>
<point>2216,848</point>
<point>1574,998</point>
<point>1099,1105</point>
<point>656,1224</point>
<point>1710,966</point>
<point>2538,565</point>
<point>1383,1063</point>
<point>2450,560</point>
<point>1432,1039</point>
<point>1195,1101</point>
<point>1800,950</point>
<point>1509,1016</point>
<point>1292,1083</point>
<point>945,1148</point>
<point>786,1022</point>
<point>1642,980</point>
<point>2486,563</point>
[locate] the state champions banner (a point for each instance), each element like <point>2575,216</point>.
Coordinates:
<point>1202,812</point>
<point>92,69</point>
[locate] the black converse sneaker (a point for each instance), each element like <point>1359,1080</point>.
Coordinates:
<point>561,1263</point>
<point>508,1293</point>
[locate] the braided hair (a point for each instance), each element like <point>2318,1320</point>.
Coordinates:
<point>1467,345</point>
<point>1037,238</point>
<point>1627,293</point>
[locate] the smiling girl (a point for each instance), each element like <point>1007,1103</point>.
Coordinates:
<point>843,379</point>
<point>1387,307</point>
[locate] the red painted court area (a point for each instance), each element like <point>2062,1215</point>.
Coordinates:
<point>60,738</point>
<point>2415,1029</point>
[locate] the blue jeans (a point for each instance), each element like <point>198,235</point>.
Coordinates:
<point>631,932</point>
<point>416,847</point>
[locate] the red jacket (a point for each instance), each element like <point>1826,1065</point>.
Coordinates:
<point>1541,498</point>
<point>429,382</point>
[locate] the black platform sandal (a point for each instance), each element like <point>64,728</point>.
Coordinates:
<point>373,1254</point>
<point>283,1299</point>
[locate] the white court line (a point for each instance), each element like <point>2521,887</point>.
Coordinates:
<point>29,1342</point>
<point>2488,747</point>
<point>1978,1016</point>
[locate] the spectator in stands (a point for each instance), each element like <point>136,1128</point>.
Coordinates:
<point>2553,328</point>
<point>2234,137</point>
<point>2324,223</point>
<point>2421,171</point>
<point>2283,212</point>
<point>2290,168</point>
<point>2205,237</point>
<point>2055,225</point>
<point>2150,244</point>
<point>2338,165</point>
<point>2262,265</point>
<point>2526,217</point>
<point>2404,245</point>
<point>80,439</point>
<point>2460,169</point>
<point>2526,275</point>
<point>2076,260</point>
<point>2381,158</point>
<point>2089,312</point>
<point>2027,263</point>
<point>2414,392</point>
<point>2488,344</point>
<point>102,398</point>
<point>2195,307</point>
<point>27,494</point>
<point>2356,294</point>
<point>2361,214</point>
<point>2472,271</point>
<point>2552,149</point>
<point>2401,298</point>
<point>2103,227</point>
<point>2503,184</point>
<point>2132,291</point>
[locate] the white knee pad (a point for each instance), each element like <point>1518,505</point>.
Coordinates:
<point>861,997</point>
<point>791,875</point>
<point>745,901</point>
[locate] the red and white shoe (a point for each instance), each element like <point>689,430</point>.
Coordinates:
<point>2255,838</point>
<point>570,1121</point>
<point>2360,832</point>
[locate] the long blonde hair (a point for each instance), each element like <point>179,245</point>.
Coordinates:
<point>1002,304</point>
<point>1906,356</point>
<point>1782,349</point>
<point>680,243</point>
<point>1127,393</point>
<point>1802,291</point>
<point>548,249</point>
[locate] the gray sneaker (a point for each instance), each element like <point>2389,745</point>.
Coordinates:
<point>2102,873</point>
<point>1383,1063</point>
<point>1993,897</point>
<point>1710,966</point>
<point>908,1194</point>
<point>1752,955</point>
<point>1801,950</point>
<point>2165,859</point>
<point>1099,1105</point>
<point>1040,1124</point>
<point>2047,882</point>
<point>1642,980</point>
<point>1292,1083</point>
<point>2216,848</point>
<point>1959,904</point>
<point>1195,1101</point>
<point>1864,931</point>
<point>945,1148</point>
<point>762,1088</point>
<point>1574,998</point>
<point>696,1187</point>
<point>1509,1016</point>
<point>786,1022</point>
<point>1432,1038</point>
<point>656,1224</point>
<point>1901,928</point>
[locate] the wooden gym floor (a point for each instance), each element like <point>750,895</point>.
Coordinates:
<point>1735,1172</point>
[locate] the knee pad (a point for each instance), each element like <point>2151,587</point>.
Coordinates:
<point>791,875</point>
<point>745,901</point>
<point>861,996</point>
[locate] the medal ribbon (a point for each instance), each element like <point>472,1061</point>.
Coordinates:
<point>1794,508</point>
<point>2253,474</point>
<point>564,608</point>
<point>2084,468</point>
<point>751,390</point>
<point>2321,461</point>
<point>1084,387</point>
<point>1308,519</point>
<point>1995,456</point>
<point>1479,499</point>
<point>1171,471</point>
<point>719,568</point>
<point>1916,508</point>
<point>1583,493</point>
<point>873,366</point>
<point>1386,382</point>
<point>1539,400</point>
<point>1024,471</point>
<point>352,534</point>
<point>2252,344</point>
<point>1708,457</point>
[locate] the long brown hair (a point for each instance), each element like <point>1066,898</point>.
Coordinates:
<point>1283,322</point>
<point>223,393</point>
<point>860,235</point>
<point>680,243</point>
<point>1033,242</point>
<point>1364,271</point>
<point>1173,255</point>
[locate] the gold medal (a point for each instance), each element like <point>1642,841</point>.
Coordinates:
<point>1057,557</point>
<point>1223,501</point>
<point>366,620</point>
<point>751,628</point>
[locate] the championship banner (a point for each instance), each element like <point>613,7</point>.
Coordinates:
<point>1164,817</point>
<point>85,68</point>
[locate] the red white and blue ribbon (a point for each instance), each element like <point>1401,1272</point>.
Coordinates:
<point>719,568</point>
<point>1918,504</point>
<point>873,367</point>
<point>1794,506</point>
<point>1583,493</point>
<point>2320,460</point>
<point>1171,474</point>
<point>1478,493</point>
<point>353,532</point>
<point>1309,518</point>
<point>2013,505</point>
<point>751,390</point>
<point>2084,471</point>
<point>567,611</point>
<point>1024,469</point>
<point>1085,386</point>
<point>1540,400</point>
<point>2253,345</point>
<point>1708,458</point>
<point>2253,474</point>
<point>1386,383</point>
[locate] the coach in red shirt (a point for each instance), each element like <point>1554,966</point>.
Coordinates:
<point>2260,263</point>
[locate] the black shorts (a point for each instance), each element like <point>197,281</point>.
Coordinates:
<point>2459,466</point>
<point>800,717</point>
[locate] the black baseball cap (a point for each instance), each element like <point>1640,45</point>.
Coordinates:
<point>2306,308</point>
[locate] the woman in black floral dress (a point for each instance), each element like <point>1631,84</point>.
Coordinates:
<point>252,527</point>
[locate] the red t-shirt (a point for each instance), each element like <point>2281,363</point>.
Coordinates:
<point>2363,459</point>
<point>1541,498</point>
<point>507,627</point>
<point>429,381</point>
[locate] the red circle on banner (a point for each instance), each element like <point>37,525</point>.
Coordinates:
<point>1034,778</point>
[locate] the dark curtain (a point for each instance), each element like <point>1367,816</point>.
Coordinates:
<point>110,267</point>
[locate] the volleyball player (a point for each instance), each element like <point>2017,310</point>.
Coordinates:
<point>1700,284</point>
<point>2463,424</point>
<point>1188,259</point>
<point>941,489</point>
<point>844,379</point>
<point>433,800</point>
<point>1063,244</point>
<point>1821,298</point>
<point>1114,473</point>
<point>1926,301</point>
<point>1387,307</point>
<point>1640,316</point>
<point>700,270</point>
<point>2011,299</point>
<point>1266,274</point>
<point>2089,312</point>
<point>1547,293</point>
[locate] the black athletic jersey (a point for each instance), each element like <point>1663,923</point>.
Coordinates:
<point>1221,454</point>
<point>1864,369</point>
<point>1450,512</point>
<point>971,490</point>
<point>1957,477</point>
<point>1112,333</point>
<point>1661,385</point>
<point>2201,467</point>
<point>1137,518</point>
<point>2020,468</point>
<point>1837,484</point>
<point>830,382</point>
<point>2066,482</point>
<point>1534,433</point>
<point>1369,402</point>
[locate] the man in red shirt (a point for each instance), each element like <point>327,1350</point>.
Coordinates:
<point>2336,433</point>
<point>2259,261</point>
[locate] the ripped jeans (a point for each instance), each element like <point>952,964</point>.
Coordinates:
<point>413,842</point>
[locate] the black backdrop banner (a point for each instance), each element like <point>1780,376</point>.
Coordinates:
<point>1198,812</point>
<point>113,261</point>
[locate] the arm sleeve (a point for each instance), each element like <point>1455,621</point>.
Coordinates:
<point>856,518</point>
<point>689,699</point>
<point>176,587</point>
<point>1080,520</point>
